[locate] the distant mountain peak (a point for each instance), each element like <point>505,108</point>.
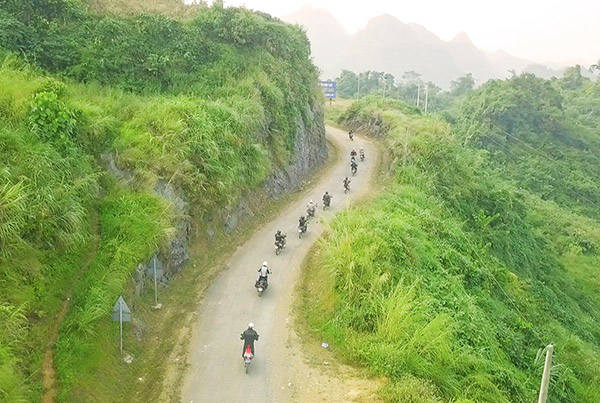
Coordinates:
<point>463,38</point>
<point>385,19</point>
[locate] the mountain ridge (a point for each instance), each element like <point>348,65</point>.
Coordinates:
<point>386,43</point>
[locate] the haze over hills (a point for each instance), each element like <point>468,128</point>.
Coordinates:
<point>387,44</point>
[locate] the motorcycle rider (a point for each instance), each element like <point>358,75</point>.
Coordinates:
<point>264,272</point>
<point>362,153</point>
<point>351,134</point>
<point>353,152</point>
<point>249,336</point>
<point>326,199</point>
<point>302,221</point>
<point>310,209</point>
<point>353,166</point>
<point>347,183</point>
<point>280,237</point>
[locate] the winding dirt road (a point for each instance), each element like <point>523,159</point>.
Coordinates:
<point>216,371</point>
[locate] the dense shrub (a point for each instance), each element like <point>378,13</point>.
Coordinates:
<point>210,104</point>
<point>452,281</point>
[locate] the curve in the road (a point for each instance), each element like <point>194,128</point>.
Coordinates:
<point>216,373</point>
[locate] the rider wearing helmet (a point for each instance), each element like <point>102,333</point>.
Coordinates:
<point>280,237</point>
<point>264,271</point>
<point>302,221</point>
<point>353,152</point>
<point>326,199</point>
<point>347,182</point>
<point>310,209</point>
<point>249,336</point>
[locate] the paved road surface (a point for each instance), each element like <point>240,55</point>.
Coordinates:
<point>216,372</point>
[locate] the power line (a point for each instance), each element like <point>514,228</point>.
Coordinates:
<point>537,151</point>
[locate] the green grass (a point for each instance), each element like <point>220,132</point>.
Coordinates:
<point>453,279</point>
<point>210,102</point>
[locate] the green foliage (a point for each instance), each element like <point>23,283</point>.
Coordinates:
<point>544,132</point>
<point>51,119</point>
<point>452,280</point>
<point>133,226</point>
<point>13,323</point>
<point>409,88</point>
<point>462,85</point>
<point>210,104</point>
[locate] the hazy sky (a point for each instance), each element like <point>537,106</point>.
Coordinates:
<point>540,30</point>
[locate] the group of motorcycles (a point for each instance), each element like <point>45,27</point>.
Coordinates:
<point>280,238</point>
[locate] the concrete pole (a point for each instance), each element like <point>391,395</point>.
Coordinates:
<point>426,97</point>
<point>121,324</point>
<point>546,376</point>
<point>418,94</point>
<point>155,286</point>
<point>358,97</point>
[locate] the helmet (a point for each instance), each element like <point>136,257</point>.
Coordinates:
<point>310,202</point>
<point>265,263</point>
<point>279,231</point>
<point>326,193</point>
<point>361,148</point>
<point>250,325</point>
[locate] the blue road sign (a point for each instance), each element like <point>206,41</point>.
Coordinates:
<point>329,89</point>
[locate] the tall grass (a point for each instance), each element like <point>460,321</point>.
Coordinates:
<point>208,99</point>
<point>451,281</point>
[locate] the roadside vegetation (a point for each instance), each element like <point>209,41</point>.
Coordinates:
<point>482,249</point>
<point>208,100</point>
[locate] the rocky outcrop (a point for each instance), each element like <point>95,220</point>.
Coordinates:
<point>310,151</point>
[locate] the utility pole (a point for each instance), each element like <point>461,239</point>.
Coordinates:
<point>418,94</point>
<point>546,376</point>
<point>155,285</point>
<point>120,302</point>
<point>426,96</point>
<point>358,86</point>
<point>405,148</point>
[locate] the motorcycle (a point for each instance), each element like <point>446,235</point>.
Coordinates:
<point>261,285</point>
<point>248,356</point>
<point>326,203</point>
<point>354,169</point>
<point>301,230</point>
<point>310,211</point>
<point>346,187</point>
<point>351,135</point>
<point>279,245</point>
<point>362,157</point>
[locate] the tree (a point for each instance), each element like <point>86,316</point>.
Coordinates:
<point>572,78</point>
<point>347,84</point>
<point>462,85</point>
<point>595,68</point>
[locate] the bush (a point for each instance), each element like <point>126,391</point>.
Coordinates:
<point>451,280</point>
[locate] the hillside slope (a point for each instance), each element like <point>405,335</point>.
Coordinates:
<point>160,127</point>
<point>477,255</point>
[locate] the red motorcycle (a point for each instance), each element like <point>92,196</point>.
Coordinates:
<point>248,356</point>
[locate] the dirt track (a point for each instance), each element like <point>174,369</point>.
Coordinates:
<point>216,372</point>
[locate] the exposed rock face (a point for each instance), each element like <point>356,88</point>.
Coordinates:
<point>310,151</point>
<point>178,254</point>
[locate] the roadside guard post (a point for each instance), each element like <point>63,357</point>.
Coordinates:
<point>122,313</point>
